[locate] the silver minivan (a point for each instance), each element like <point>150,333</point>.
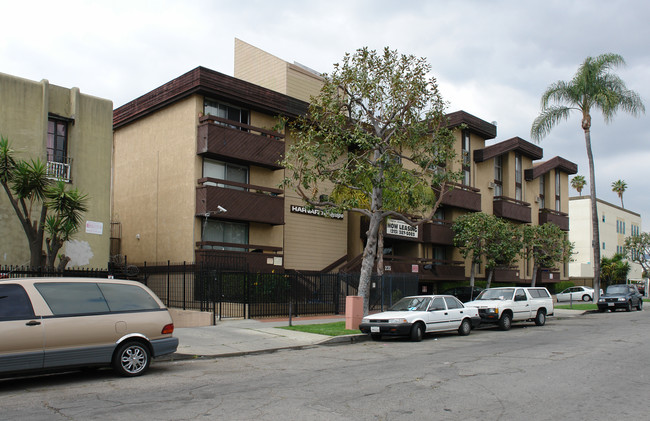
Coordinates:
<point>54,323</point>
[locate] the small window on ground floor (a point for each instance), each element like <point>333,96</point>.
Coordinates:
<point>226,232</point>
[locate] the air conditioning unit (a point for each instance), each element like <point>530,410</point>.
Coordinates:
<point>491,185</point>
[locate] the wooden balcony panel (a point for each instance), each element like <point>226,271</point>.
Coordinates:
<point>558,218</point>
<point>444,272</point>
<point>506,275</point>
<point>240,205</point>
<point>463,197</point>
<point>228,260</point>
<point>438,232</point>
<point>238,145</point>
<point>515,210</point>
<point>548,275</point>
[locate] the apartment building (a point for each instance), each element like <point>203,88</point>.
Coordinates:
<point>196,178</point>
<point>72,133</point>
<point>615,224</point>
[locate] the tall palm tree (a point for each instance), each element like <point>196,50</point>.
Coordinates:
<point>594,86</point>
<point>578,182</point>
<point>619,187</point>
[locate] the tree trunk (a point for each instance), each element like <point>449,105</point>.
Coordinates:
<point>534,281</point>
<point>472,275</point>
<point>489,279</point>
<point>380,249</point>
<point>594,216</point>
<point>369,253</point>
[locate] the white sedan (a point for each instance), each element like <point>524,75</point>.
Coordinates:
<point>414,316</point>
<point>576,294</point>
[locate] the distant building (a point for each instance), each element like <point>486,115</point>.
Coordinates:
<point>72,132</point>
<point>614,225</point>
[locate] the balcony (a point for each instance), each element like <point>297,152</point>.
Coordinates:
<point>548,275</point>
<point>254,259</point>
<point>438,232</point>
<point>508,208</point>
<point>558,218</point>
<point>506,275</point>
<point>243,202</point>
<point>460,196</point>
<point>426,269</point>
<point>226,139</point>
<point>59,169</point>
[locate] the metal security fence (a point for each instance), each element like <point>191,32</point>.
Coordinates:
<point>8,271</point>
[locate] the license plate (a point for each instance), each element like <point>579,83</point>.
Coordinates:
<point>610,304</point>
<point>374,329</point>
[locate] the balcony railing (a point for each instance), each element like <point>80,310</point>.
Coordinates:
<point>516,210</point>
<point>227,139</point>
<point>243,202</point>
<point>461,196</point>
<point>560,219</point>
<point>59,170</point>
<point>438,232</point>
<point>252,258</point>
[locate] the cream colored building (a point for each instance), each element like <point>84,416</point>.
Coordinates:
<point>72,132</point>
<point>614,225</point>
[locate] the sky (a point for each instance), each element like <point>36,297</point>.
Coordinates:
<point>492,59</point>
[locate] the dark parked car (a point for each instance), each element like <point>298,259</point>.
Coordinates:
<point>464,294</point>
<point>620,296</point>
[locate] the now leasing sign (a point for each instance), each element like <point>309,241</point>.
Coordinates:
<point>401,228</point>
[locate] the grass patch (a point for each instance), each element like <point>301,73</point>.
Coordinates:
<point>578,306</point>
<point>329,329</point>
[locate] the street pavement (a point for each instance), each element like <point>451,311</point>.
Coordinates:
<point>246,336</point>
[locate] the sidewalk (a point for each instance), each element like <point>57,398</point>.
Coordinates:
<point>244,336</point>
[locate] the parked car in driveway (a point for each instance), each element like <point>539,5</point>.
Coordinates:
<point>464,294</point>
<point>620,296</point>
<point>576,294</point>
<point>414,316</point>
<point>55,323</point>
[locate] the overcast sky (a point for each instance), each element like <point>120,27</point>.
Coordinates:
<point>492,59</point>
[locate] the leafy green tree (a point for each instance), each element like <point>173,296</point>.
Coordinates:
<point>372,142</point>
<point>578,182</point>
<point>619,187</point>
<point>546,245</point>
<point>637,249</point>
<point>614,270</point>
<point>503,246</point>
<point>32,195</point>
<point>594,86</point>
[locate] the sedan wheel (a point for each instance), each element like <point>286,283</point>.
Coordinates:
<point>639,306</point>
<point>586,298</point>
<point>629,306</point>
<point>465,328</point>
<point>417,332</point>
<point>131,359</point>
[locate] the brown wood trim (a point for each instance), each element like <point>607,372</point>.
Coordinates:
<point>557,162</point>
<point>511,200</point>
<point>248,187</point>
<point>473,123</point>
<point>214,119</point>
<point>514,144</point>
<point>241,246</point>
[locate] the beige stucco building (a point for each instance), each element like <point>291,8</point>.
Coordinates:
<point>72,132</point>
<point>197,174</point>
<point>614,225</point>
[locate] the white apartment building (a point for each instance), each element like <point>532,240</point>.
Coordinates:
<point>614,224</point>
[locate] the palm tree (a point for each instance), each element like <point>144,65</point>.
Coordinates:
<point>619,187</point>
<point>594,86</point>
<point>578,182</point>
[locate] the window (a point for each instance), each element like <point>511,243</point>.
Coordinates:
<point>58,164</point>
<point>225,232</point>
<point>438,304</point>
<point>218,109</point>
<point>127,298</point>
<point>603,217</point>
<point>452,303</point>
<point>465,152</point>
<point>518,177</point>
<point>225,171</point>
<point>498,175</point>
<point>71,298</point>
<point>520,295</point>
<point>542,189</point>
<point>603,245</point>
<point>557,191</point>
<point>14,303</point>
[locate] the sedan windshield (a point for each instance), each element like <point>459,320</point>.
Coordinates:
<point>617,289</point>
<point>496,294</point>
<point>411,304</point>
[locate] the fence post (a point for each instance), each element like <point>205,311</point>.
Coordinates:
<point>168,269</point>
<point>184,269</point>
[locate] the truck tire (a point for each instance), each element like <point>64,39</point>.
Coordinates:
<point>540,317</point>
<point>505,322</point>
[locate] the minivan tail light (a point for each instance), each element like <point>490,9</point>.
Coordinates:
<point>168,329</point>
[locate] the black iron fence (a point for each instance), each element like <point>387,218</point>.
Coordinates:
<point>8,271</point>
<point>240,294</point>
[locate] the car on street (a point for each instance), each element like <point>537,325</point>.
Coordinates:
<point>417,315</point>
<point>579,293</point>
<point>620,296</point>
<point>51,324</point>
<point>465,293</point>
<point>502,306</point>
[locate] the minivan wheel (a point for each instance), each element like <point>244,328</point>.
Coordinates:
<point>131,359</point>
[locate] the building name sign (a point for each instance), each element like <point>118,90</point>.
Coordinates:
<point>401,229</point>
<point>315,212</point>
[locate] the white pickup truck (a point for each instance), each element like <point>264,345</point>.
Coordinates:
<point>503,306</point>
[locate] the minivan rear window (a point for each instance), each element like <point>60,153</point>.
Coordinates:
<point>14,303</point>
<point>121,297</point>
<point>71,298</point>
